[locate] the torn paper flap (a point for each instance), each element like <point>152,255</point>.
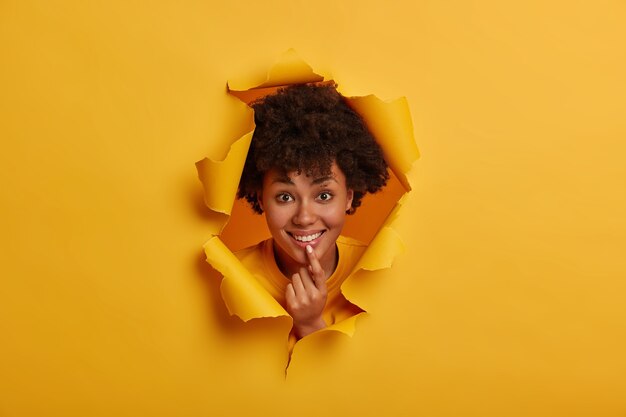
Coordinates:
<point>220,179</point>
<point>290,69</point>
<point>242,293</point>
<point>391,125</point>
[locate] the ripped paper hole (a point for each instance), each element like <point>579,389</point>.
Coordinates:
<point>373,224</point>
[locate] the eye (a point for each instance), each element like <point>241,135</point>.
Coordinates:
<point>325,196</point>
<point>284,198</point>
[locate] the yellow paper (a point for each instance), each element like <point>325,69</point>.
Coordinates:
<point>507,301</point>
<point>221,178</point>
<point>290,69</point>
<point>391,125</point>
<point>243,295</point>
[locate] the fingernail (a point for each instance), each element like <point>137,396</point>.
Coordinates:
<point>309,249</point>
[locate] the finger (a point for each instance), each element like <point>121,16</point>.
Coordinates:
<point>319,277</point>
<point>290,295</point>
<point>298,286</point>
<point>307,280</point>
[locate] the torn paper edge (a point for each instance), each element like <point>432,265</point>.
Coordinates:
<point>390,123</point>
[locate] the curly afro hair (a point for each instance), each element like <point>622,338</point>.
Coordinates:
<point>305,128</point>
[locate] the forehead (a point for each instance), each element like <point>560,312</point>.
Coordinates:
<point>277,175</point>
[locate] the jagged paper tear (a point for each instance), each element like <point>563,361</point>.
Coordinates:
<point>391,125</point>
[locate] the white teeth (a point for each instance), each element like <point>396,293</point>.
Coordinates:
<point>307,238</point>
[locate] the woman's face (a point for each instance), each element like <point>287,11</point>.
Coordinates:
<point>302,210</point>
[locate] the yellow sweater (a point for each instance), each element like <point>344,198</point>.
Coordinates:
<point>260,261</point>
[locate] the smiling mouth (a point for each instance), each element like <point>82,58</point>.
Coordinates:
<point>306,238</point>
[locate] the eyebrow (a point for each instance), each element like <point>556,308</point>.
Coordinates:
<point>323,180</point>
<point>282,180</point>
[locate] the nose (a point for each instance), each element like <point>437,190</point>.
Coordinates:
<point>304,215</point>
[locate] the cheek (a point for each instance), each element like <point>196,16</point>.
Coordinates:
<point>275,218</point>
<point>335,217</point>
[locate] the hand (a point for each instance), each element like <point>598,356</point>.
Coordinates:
<point>306,297</point>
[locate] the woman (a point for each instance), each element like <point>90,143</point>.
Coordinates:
<point>311,161</point>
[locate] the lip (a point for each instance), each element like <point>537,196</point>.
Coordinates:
<point>303,245</point>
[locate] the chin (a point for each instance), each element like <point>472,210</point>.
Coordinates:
<point>296,254</point>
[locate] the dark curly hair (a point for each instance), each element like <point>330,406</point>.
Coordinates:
<point>305,128</point>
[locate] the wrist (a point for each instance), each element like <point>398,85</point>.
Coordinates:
<point>305,329</point>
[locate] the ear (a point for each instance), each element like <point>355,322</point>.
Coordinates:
<point>349,197</point>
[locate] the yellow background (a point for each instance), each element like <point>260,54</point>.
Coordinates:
<point>509,300</point>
